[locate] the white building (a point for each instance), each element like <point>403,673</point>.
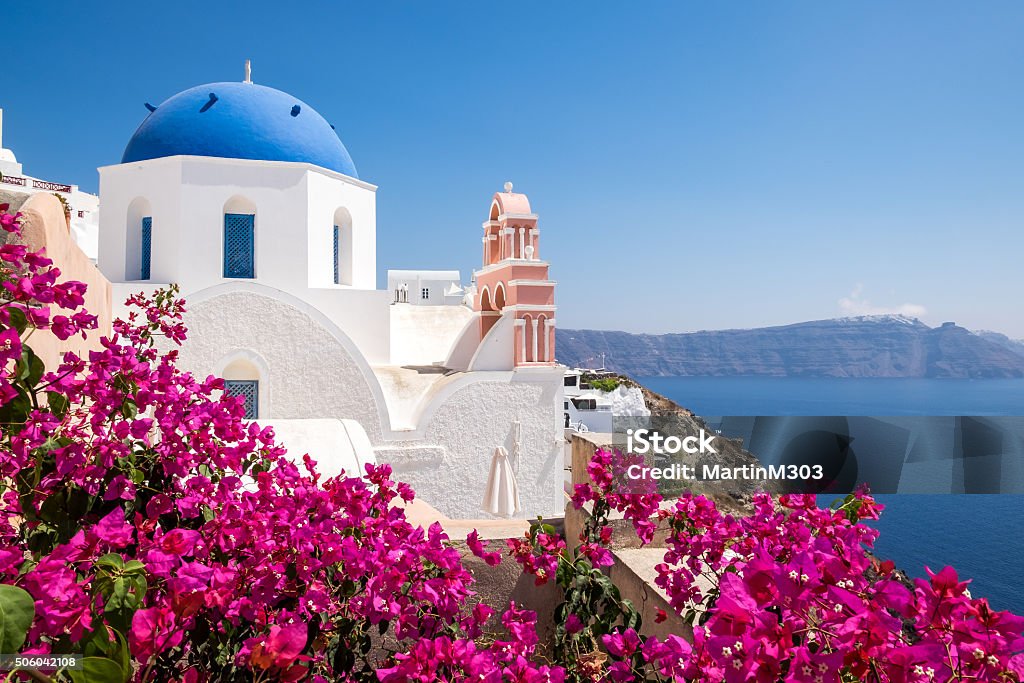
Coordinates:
<point>82,207</point>
<point>589,409</point>
<point>245,197</point>
<point>426,287</point>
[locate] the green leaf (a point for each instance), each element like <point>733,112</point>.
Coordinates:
<point>36,368</point>
<point>17,610</point>
<point>139,585</point>
<point>122,656</point>
<point>18,319</point>
<point>118,597</point>
<point>78,503</point>
<point>98,670</point>
<point>129,409</point>
<point>98,644</point>
<point>113,560</point>
<point>133,567</point>
<point>58,403</point>
<point>52,509</point>
<point>17,409</point>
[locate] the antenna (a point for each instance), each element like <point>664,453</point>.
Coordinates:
<point>248,71</point>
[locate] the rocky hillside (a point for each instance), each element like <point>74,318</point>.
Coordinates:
<point>1015,345</point>
<point>869,346</point>
<point>674,419</point>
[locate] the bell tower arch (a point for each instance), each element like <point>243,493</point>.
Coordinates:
<point>514,281</point>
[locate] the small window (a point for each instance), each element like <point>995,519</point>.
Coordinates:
<point>239,245</point>
<point>570,380</point>
<point>585,404</point>
<point>337,251</point>
<point>565,406</point>
<point>425,293</point>
<point>147,247</point>
<point>248,389</point>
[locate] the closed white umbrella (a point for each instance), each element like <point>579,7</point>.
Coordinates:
<point>501,497</point>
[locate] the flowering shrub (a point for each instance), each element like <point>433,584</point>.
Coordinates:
<point>788,593</point>
<point>795,595</point>
<point>145,524</point>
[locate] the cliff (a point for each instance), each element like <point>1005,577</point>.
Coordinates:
<point>869,346</point>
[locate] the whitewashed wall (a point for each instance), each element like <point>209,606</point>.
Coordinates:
<point>424,335</point>
<point>314,371</point>
<point>471,419</point>
<point>295,206</point>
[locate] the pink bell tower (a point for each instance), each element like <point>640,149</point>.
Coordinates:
<point>514,281</point>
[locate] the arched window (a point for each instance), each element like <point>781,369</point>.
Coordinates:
<point>239,238</point>
<point>242,378</point>
<point>249,390</point>
<point>147,247</point>
<point>499,296</point>
<point>337,254</point>
<point>543,339</point>
<point>529,331</point>
<point>138,240</point>
<point>343,255</point>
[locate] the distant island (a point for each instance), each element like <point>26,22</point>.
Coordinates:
<point>865,346</point>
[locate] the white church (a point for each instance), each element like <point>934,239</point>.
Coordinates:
<point>246,198</point>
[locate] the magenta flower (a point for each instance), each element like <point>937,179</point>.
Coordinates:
<point>480,550</point>
<point>112,531</point>
<point>153,631</point>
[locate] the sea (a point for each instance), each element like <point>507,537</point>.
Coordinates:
<point>981,536</point>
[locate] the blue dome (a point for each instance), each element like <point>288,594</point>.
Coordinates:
<point>239,121</point>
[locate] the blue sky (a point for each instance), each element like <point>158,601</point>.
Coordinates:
<point>695,165</point>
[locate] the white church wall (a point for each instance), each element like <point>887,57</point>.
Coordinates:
<point>423,335</point>
<point>328,441</point>
<point>463,424</point>
<point>327,383</point>
<point>497,349</point>
<point>294,204</point>
<point>213,187</point>
<point>466,422</point>
<point>461,353</point>
<point>326,194</point>
<point>159,184</point>
<point>362,313</point>
<point>446,456</point>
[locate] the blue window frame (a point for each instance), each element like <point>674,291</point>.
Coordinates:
<point>248,389</point>
<point>337,248</point>
<point>239,245</point>
<point>147,247</point>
